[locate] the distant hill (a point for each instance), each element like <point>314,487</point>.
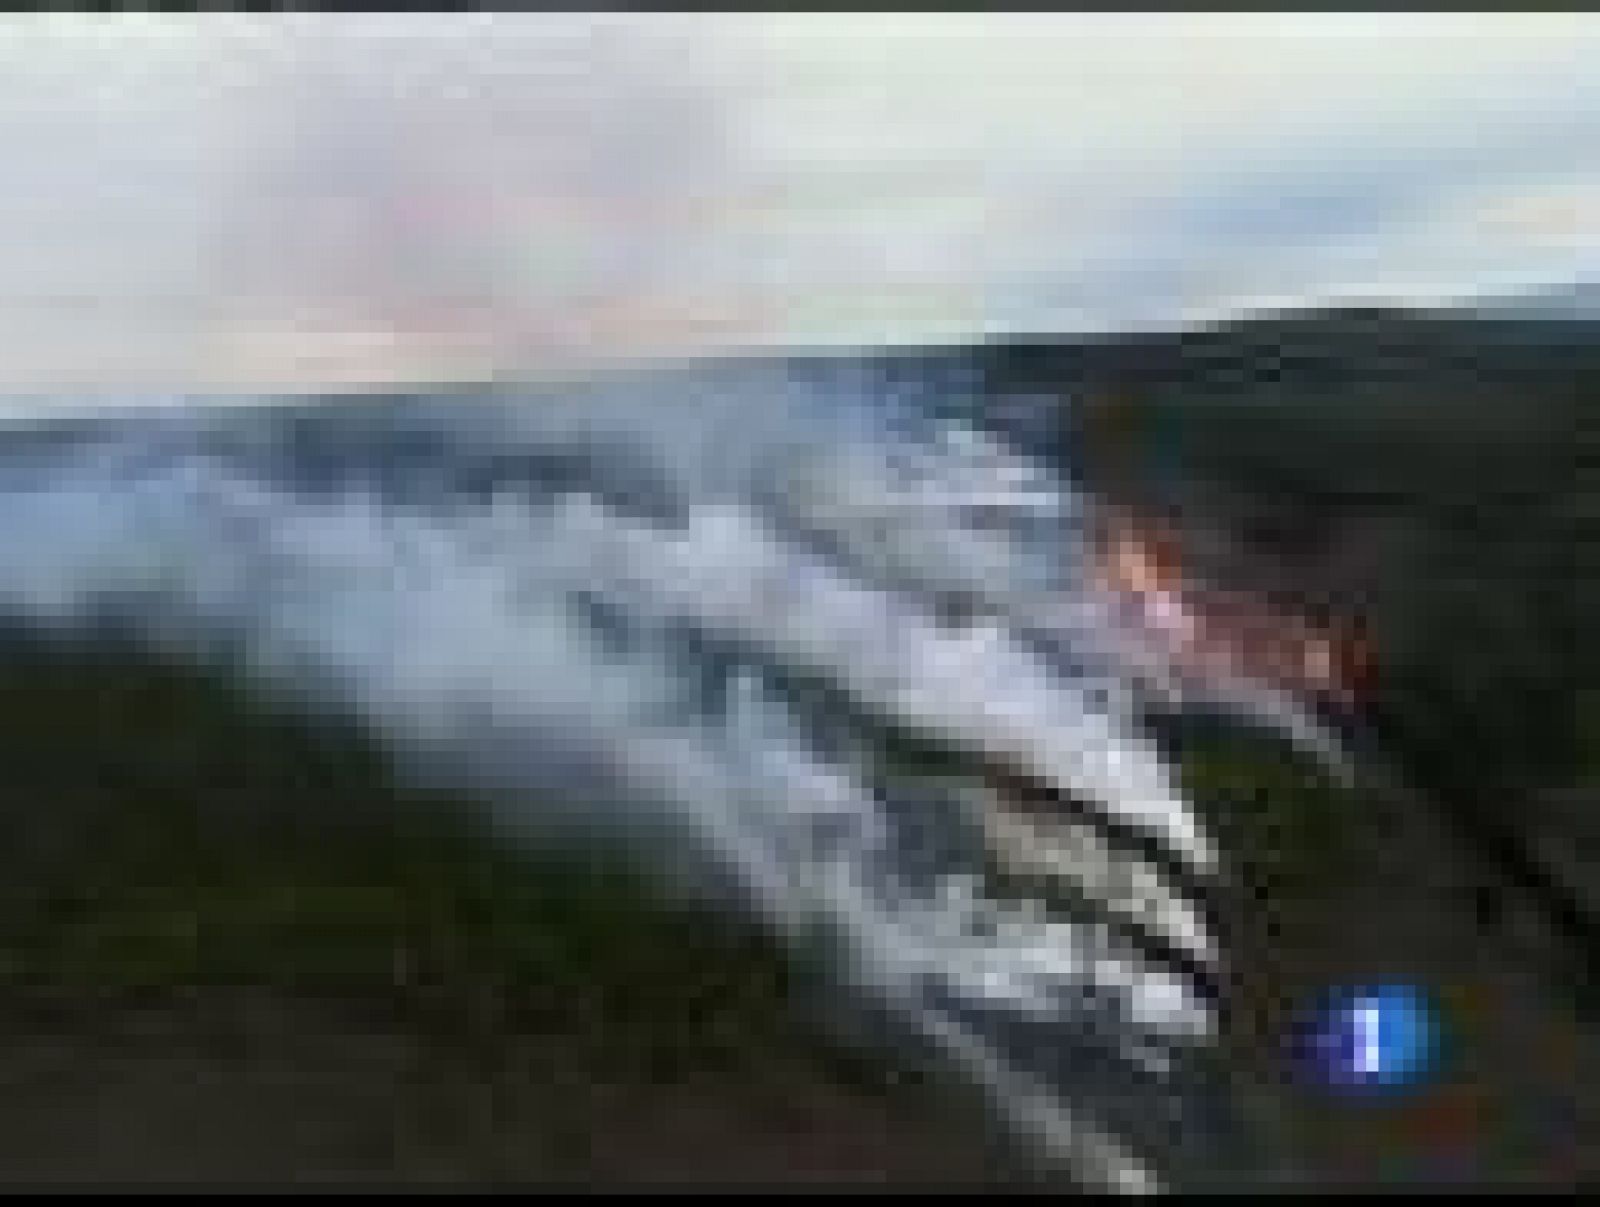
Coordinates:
<point>1347,348</point>
<point>1575,301</point>
<point>1435,471</point>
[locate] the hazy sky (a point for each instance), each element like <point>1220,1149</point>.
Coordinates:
<point>294,200</point>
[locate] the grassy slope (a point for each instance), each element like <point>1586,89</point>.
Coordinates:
<point>1346,886</point>
<point>233,946</point>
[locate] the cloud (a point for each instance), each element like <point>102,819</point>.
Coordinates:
<point>280,200</point>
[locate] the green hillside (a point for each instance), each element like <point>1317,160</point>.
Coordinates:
<point>225,918</point>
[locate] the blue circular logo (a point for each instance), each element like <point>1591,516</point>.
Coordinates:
<point>1382,1037</point>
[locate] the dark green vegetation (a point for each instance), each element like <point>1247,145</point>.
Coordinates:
<point>1436,478</point>
<point>1282,819</point>
<point>1435,475</point>
<point>234,944</point>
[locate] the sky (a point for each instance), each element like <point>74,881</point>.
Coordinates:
<point>297,201</point>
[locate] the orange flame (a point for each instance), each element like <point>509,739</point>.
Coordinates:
<point>1211,631</point>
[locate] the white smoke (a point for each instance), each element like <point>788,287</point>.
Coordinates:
<point>458,628</point>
